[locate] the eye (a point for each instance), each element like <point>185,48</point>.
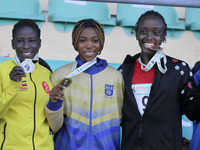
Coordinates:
<point>143,31</point>
<point>156,32</point>
<point>32,40</point>
<point>19,41</point>
<point>81,40</point>
<point>96,40</point>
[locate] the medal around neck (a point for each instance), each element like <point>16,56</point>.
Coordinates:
<point>66,82</point>
<point>154,47</point>
<point>28,66</point>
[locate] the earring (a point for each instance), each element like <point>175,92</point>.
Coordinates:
<point>99,52</point>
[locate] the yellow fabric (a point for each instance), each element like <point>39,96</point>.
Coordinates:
<point>22,118</point>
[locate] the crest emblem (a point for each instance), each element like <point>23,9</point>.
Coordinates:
<point>109,90</point>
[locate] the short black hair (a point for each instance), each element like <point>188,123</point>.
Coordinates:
<point>25,23</point>
<point>152,13</point>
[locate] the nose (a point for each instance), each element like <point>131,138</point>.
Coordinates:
<point>26,45</point>
<point>89,44</point>
<point>149,36</point>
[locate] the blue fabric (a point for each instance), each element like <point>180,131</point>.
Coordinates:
<point>63,141</point>
<point>195,141</point>
<point>54,106</point>
<point>196,67</point>
<point>100,65</point>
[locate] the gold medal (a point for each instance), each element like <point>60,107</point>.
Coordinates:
<point>66,82</point>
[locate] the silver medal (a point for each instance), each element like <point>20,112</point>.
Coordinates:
<point>28,66</point>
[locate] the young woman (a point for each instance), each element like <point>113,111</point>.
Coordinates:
<point>24,88</point>
<point>159,89</point>
<point>86,113</point>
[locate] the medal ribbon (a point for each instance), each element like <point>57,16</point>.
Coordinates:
<point>155,59</point>
<point>81,68</point>
<point>16,59</point>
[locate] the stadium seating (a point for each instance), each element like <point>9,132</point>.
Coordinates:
<point>128,14</point>
<point>192,21</point>
<point>12,11</point>
<point>64,14</point>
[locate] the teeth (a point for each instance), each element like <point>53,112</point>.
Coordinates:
<point>148,44</point>
<point>27,53</point>
<point>89,53</point>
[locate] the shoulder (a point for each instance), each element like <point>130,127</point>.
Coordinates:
<point>61,72</point>
<point>177,63</point>
<point>112,69</point>
<point>64,68</point>
<point>196,67</point>
<point>44,70</point>
<point>112,72</point>
<point>7,65</point>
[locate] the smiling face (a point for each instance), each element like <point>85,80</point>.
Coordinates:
<point>150,31</point>
<point>26,43</point>
<point>88,44</point>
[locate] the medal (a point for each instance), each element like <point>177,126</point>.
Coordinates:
<point>28,66</point>
<point>66,82</point>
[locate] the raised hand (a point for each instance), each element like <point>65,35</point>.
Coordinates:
<point>17,73</point>
<point>56,93</point>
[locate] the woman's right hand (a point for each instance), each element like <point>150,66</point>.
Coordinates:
<point>17,73</point>
<point>56,93</point>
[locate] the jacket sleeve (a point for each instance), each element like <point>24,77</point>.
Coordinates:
<point>7,95</point>
<point>54,116</point>
<point>190,97</point>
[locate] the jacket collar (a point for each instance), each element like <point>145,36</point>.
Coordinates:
<point>100,65</point>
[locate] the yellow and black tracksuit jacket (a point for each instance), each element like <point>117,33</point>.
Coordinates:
<point>23,123</point>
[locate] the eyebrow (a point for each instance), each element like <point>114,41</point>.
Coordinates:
<point>86,37</point>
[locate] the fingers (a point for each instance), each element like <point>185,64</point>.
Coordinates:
<point>56,93</point>
<point>17,73</point>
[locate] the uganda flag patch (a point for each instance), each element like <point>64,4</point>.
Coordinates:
<point>23,86</point>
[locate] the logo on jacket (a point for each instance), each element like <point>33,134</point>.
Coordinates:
<point>45,87</point>
<point>109,90</point>
<point>23,86</point>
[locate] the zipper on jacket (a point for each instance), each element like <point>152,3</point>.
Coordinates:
<point>91,100</point>
<point>4,135</point>
<point>139,136</point>
<point>34,120</point>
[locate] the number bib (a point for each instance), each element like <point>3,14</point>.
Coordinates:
<point>141,92</point>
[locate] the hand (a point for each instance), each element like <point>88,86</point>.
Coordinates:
<point>56,93</point>
<point>17,73</point>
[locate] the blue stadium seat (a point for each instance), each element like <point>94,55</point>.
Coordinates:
<point>65,13</point>
<point>128,14</point>
<point>11,11</point>
<point>192,21</point>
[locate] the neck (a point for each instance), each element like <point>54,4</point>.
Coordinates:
<point>146,58</point>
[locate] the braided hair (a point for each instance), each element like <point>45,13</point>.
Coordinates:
<point>30,23</point>
<point>85,23</point>
<point>152,13</point>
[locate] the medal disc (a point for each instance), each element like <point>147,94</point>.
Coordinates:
<point>66,82</point>
<point>28,66</point>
